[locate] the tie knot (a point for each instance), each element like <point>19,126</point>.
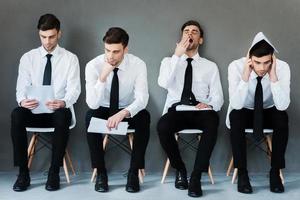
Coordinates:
<point>116,70</point>
<point>189,60</point>
<point>49,56</point>
<point>259,79</point>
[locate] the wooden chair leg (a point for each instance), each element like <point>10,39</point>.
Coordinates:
<point>105,142</point>
<point>70,162</point>
<point>234,175</point>
<point>31,153</point>
<point>66,170</point>
<point>230,167</point>
<point>32,140</point>
<point>166,169</point>
<point>210,175</point>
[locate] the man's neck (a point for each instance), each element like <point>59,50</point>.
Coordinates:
<point>191,53</point>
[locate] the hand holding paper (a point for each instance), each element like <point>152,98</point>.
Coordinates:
<point>98,125</point>
<point>42,94</point>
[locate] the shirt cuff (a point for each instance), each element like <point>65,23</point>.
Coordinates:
<point>99,85</point>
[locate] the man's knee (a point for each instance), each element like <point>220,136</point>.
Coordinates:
<point>62,117</point>
<point>18,115</point>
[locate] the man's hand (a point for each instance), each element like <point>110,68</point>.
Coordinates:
<point>29,103</point>
<point>247,68</point>
<point>202,106</point>
<point>114,120</point>
<point>182,46</point>
<point>55,104</point>
<point>107,68</point>
<point>272,71</point>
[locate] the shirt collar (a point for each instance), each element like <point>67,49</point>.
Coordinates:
<point>253,75</point>
<point>196,57</point>
<point>54,53</point>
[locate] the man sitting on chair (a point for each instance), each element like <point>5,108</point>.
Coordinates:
<point>194,96</point>
<point>58,68</point>
<point>259,94</point>
<point>117,90</point>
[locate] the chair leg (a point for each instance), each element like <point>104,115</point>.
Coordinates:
<point>105,142</point>
<point>94,175</point>
<point>31,153</point>
<point>70,162</point>
<point>230,167</point>
<point>166,169</point>
<point>66,170</point>
<point>210,175</point>
<point>234,175</point>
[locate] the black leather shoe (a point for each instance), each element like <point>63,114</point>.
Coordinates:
<point>133,184</point>
<point>53,182</point>
<point>243,184</point>
<point>181,181</point>
<point>195,189</point>
<point>101,184</point>
<point>276,183</point>
<point>22,183</point>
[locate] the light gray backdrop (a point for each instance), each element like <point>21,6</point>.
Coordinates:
<point>154,28</point>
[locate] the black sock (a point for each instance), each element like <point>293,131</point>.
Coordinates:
<point>23,170</point>
<point>274,171</point>
<point>242,171</point>
<point>196,174</point>
<point>54,169</point>
<point>101,170</point>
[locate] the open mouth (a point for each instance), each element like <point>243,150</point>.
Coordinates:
<point>190,40</point>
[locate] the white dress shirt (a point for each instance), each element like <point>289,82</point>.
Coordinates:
<point>133,85</point>
<point>206,84</point>
<point>241,93</point>
<point>65,74</point>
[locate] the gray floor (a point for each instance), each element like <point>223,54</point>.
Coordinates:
<point>82,188</point>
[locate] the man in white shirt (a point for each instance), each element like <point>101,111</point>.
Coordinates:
<point>259,94</point>
<point>194,97</point>
<point>58,68</point>
<point>117,90</point>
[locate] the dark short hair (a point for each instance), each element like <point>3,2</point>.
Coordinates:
<point>116,35</point>
<point>194,23</point>
<point>47,22</point>
<point>260,49</point>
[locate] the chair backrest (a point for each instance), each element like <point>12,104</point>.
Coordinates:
<point>51,129</point>
<point>190,131</point>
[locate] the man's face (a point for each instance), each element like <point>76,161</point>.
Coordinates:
<point>261,65</point>
<point>49,39</point>
<point>114,53</point>
<point>193,33</point>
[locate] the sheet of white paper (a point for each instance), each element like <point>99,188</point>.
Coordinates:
<point>189,108</point>
<point>42,94</point>
<point>98,125</point>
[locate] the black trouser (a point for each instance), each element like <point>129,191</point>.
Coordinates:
<point>273,119</point>
<point>175,121</point>
<point>22,118</point>
<point>140,122</point>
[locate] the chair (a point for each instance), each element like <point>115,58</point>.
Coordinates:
<point>124,147</point>
<point>268,141</point>
<point>189,144</point>
<point>36,136</point>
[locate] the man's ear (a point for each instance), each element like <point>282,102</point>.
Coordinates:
<point>59,34</point>
<point>126,49</point>
<point>201,40</point>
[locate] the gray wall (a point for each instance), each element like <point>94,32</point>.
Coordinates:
<point>153,27</point>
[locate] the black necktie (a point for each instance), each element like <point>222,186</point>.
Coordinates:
<point>114,94</point>
<point>48,71</point>
<point>187,97</point>
<point>258,112</point>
